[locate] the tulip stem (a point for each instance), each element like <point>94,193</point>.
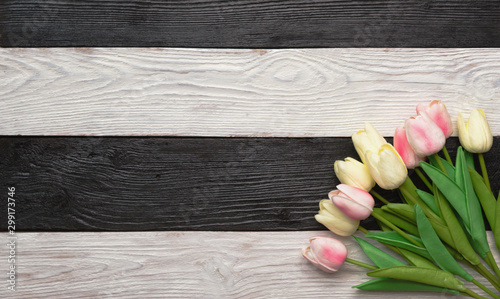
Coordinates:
<point>440,163</point>
<point>493,263</point>
<point>472,294</point>
<point>447,155</point>
<point>423,178</point>
<point>363,230</point>
<point>361,264</point>
<point>396,229</point>
<point>483,169</point>
<point>374,193</point>
<point>482,287</point>
<point>481,269</point>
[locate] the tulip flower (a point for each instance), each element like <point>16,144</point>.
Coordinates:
<point>353,202</point>
<point>437,111</point>
<point>336,221</point>
<point>404,149</point>
<point>386,167</point>
<point>424,136</point>
<point>327,254</point>
<point>354,173</point>
<point>368,139</point>
<point>475,135</point>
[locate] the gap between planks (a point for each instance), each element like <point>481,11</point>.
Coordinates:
<point>181,264</point>
<point>231,92</point>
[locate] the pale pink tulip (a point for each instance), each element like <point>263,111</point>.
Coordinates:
<point>404,149</point>
<point>437,111</point>
<point>353,202</point>
<point>424,136</point>
<point>327,254</point>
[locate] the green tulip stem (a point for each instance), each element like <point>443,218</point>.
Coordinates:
<point>363,230</point>
<point>493,263</point>
<point>423,178</point>
<point>379,197</point>
<point>472,294</point>
<point>440,163</point>
<point>483,170</point>
<point>447,155</point>
<point>361,264</point>
<point>482,287</point>
<point>396,229</point>
<point>481,269</point>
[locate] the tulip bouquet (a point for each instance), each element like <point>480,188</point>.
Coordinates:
<point>435,230</point>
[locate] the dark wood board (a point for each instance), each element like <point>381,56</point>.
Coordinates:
<point>249,24</point>
<point>174,183</point>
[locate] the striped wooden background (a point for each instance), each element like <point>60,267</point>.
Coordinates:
<point>180,148</point>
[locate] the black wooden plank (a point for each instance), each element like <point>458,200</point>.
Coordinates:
<point>161,183</point>
<point>249,24</point>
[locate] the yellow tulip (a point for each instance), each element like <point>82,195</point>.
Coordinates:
<point>336,221</point>
<point>386,167</point>
<point>354,173</point>
<point>475,135</point>
<point>368,139</point>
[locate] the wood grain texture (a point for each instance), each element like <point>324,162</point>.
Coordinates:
<point>183,265</point>
<point>189,92</point>
<point>159,183</point>
<point>249,23</point>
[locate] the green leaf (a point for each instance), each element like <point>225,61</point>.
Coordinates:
<point>450,169</point>
<point>450,189</point>
<point>469,159</point>
<point>486,198</point>
<point>390,284</point>
<point>433,277</point>
<point>398,221</point>
<point>436,248</point>
<point>378,256</point>
<point>417,260</point>
<point>460,241</point>
<point>394,239</point>
<point>429,200</point>
<point>402,210</point>
<point>475,223</point>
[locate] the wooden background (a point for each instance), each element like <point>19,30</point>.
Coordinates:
<point>180,148</point>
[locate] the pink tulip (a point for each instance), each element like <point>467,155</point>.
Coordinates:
<point>327,254</point>
<point>424,136</point>
<point>355,203</point>
<point>437,111</point>
<point>404,149</point>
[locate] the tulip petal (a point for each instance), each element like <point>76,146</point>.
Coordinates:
<point>336,221</point>
<point>368,139</point>
<point>424,136</point>
<point>387,168</point>
<point>404,149</point>
<point>351,208</point>
<point>354,173</point>
<point>437,111</point>
<point>328,252</point>
<point>360,196</point>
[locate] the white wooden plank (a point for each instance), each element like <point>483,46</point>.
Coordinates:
<point>221,92</point>
<point>180,265</point>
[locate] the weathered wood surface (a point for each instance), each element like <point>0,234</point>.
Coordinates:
<point>208,92</point>
<point>250,23</point>
<point>182,265</point>
<point>161,183</point>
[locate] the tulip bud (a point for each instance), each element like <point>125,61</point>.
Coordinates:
<point>327,254</point>
<point>367,139</point>
<point>437,111</point>
<point>475,135</point>
<point>353,202</point>
<point>386,167</point>
<point>354,173</point>
<point>424,136</point>
<point>336,221</point>
<point>404,149</point>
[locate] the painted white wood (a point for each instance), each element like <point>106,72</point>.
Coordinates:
<point>180,265</point>
<point>224,92</point>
